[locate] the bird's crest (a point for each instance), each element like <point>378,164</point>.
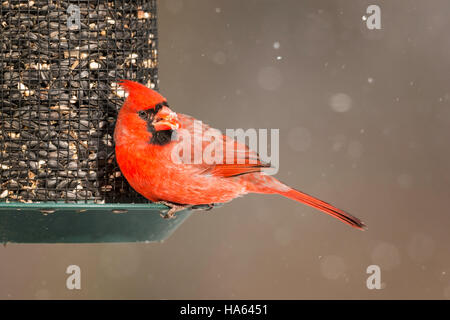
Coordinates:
<point>139,96</point>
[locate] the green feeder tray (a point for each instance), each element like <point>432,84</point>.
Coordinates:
<point>85,223</point>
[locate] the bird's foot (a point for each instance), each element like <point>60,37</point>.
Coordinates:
<point>205,207</point>
<point>174,208</point>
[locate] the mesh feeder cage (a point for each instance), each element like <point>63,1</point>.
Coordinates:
<point>60,62</point>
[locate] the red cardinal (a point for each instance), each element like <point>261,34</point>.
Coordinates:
<point>145,136</point>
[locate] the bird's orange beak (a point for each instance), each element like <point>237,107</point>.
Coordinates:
<point>166,119</point>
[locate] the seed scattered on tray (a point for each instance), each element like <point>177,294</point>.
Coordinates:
<point>59,95</point>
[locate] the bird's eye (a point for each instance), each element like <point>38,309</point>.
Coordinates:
<point>142,114</point>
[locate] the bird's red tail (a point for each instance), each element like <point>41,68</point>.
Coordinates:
<point>268,184</point>
<point>325,207</point>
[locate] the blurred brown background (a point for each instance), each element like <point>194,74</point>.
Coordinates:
<point>364,120</point>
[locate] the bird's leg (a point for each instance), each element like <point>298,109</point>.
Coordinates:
<point>174,208</point>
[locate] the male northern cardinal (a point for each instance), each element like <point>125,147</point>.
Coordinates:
<point>145,137</point>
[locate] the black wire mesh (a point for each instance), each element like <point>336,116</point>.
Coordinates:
<point>59,66</point>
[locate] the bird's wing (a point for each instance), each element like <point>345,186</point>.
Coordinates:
<point>214,153</point>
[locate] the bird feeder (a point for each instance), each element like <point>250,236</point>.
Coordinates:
<point>60,62</point>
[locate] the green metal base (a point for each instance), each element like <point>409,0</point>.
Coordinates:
<point>85,223</point>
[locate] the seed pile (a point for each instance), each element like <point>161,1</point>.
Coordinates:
<point>59,95</point>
